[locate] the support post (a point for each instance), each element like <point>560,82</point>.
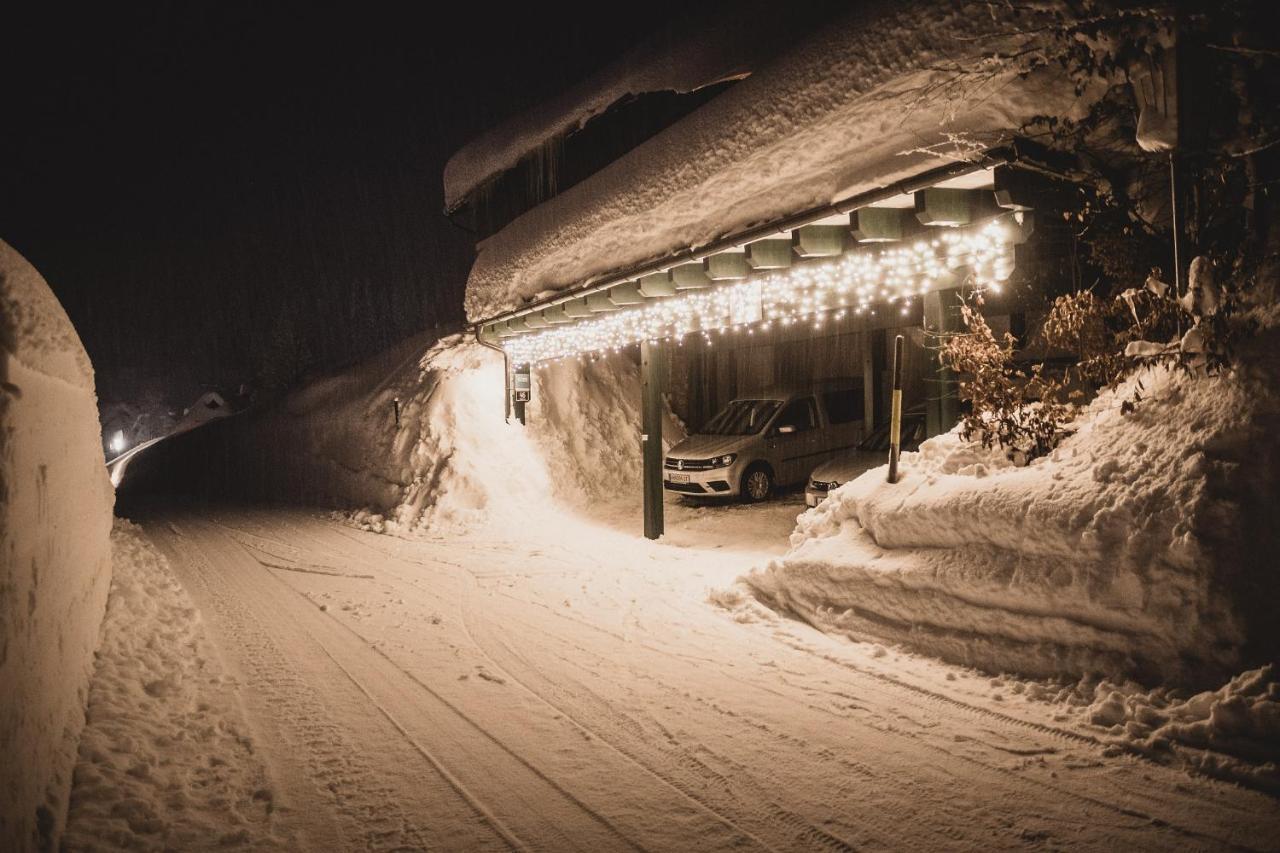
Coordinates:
<point>895,416</point>
<point>652,375</point>
<point>941,320</point>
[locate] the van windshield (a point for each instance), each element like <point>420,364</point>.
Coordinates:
<point>742,417</point>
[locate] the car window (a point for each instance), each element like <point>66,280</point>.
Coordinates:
<point>801,415</point>
<point>742,417</point>
<point>843,406</point>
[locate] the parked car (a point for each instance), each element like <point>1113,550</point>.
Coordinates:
<point>871,453</point>
<point>760,442</point>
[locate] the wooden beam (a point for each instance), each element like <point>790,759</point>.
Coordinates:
<point>947,207</point>
<point>727,266</point>
<point>556,315</point>
<point>577,308</point>
<point>627,293</point>
<point>534,321</point>
<point>690,277</point>
<point>879,224</point>
<point>656,284</point>
<point>770,254</point>
<point>652,376</point>
<point>599,303</point>
<point>820,241</point>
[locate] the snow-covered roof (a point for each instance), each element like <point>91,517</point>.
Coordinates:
<point>848,109</point>
<point>700,53</point>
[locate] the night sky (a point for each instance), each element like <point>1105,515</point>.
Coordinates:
<point>189,177</point>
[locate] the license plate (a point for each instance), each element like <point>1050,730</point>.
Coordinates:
<point>678,478</point>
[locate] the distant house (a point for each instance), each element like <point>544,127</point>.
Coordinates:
<point>750,213</point>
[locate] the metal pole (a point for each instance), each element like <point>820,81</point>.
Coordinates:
<point>1176,225</point>
<point>651,376</point>
<point>895,417</point>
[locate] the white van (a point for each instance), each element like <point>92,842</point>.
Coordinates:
<point>762,441</point>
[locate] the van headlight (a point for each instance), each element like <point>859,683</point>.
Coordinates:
<point>724,461</point>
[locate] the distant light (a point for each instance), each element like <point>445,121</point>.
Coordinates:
<point>117,442</point>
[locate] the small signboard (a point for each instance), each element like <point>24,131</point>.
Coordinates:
<point>521,387</point>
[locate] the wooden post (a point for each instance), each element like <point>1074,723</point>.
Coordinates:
<point>652,375</point>
<point>895,416</point>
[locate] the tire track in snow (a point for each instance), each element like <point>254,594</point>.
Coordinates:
<point>896,692</point>
<point>366,807</point>
<point>564,841</point>
<point>797,828</point>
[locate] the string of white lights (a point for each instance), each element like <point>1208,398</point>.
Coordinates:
<point>853,282</point>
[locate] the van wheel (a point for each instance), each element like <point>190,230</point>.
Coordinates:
<point>757,483</point>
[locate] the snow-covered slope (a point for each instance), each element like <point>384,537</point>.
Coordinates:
<point>1145,544</point>
<point>55,519</point>
<point>829,118</point>
<point>451,462</point>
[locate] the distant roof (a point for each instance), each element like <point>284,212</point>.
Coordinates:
<point>697,50</point>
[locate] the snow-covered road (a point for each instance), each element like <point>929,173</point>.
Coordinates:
<point>578,691</point>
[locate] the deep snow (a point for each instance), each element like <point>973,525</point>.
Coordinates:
<point>847,110</point>
<point>1137,547</point>
<point>166,759</point>
<point>55,508</point>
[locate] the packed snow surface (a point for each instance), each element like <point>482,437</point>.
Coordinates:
<point>1140,546</point>
<point>847,110</point>
<point>55,518</point>
<point>570,687</point>
<point>166,759</point>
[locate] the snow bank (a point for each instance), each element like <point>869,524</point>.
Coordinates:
<point>451,463</point>
<point>166,760</point>
<point>55,518</point>
<point>1144,545</point>
<point>831,117</point>
<point>462,467</point>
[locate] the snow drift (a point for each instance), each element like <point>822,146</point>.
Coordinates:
<point>450,463</point>
<point>848,110</point>
<point>1144,545</point>
<point>55,520</point>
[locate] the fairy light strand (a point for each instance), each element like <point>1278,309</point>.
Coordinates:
<point>852,283</point>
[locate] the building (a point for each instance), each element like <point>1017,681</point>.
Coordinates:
<point>755,213</point>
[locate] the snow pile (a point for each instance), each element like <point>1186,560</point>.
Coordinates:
<point>452,462</point>
<point>830,118</point>
<point>55,518</point>
<point>1142,546</point>
<point>1231,733</point>
<point>166,761</point>
<point>463,467</point>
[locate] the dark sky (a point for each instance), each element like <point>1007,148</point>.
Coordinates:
<point>187,175</point>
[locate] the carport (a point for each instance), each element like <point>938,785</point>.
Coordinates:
<point>907,250</point>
